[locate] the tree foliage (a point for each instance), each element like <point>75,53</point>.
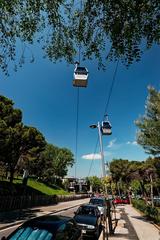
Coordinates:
<point>136,187</point>
<point>10,132</point>
<point>95,182</point>
<point>23,22</point>
<point>52,163</point>
<point>119,169</point>
<point>16,140</point>
<point>139,176</point>
<point>113,29</point>
<point>24,147</point>
<point>154,163</point>
<point>149,125</point>
<point>123,25</point>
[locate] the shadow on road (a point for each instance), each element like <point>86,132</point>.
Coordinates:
<point>25,214</point>
<point>140,218</point>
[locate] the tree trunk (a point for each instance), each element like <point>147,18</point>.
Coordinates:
<point>151,180</point>
<point>11,174</point>
<point>144,192</point>
<point>119,193</point>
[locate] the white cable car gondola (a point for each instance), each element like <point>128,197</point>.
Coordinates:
<point>80,76</point>
<point>106,128</point>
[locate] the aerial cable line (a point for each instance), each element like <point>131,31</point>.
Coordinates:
<point>111,88</point>
<point>80,72</point>
<point>77,126</point>
<point>110,92</point>
<point>77,106</point>
<point>93,158</point>
<point>106,109</point>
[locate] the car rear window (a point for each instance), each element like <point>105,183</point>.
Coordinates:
<point>29,233</point>
<point>87,210</point>
<point>96,201</point>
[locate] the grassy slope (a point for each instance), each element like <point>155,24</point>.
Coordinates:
<point>45,189</point>
<point>40,187</point>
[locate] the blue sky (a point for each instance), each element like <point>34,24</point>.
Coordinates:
<point>44,92</point>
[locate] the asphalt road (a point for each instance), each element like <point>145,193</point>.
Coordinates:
<point>131,224</point>
<point>7,231</point>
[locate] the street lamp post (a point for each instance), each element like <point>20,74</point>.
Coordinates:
<point>104,174</point>
<point>101,147</point>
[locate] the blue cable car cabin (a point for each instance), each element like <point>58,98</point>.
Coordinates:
<point>80,77</point>
<point>106,128</point>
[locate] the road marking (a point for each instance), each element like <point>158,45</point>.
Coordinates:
<point>7,228</point>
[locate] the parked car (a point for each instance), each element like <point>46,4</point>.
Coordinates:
<point>88,218</point>
<point>121,200</point>
<point>125,200</point>
<point>138,196</point>
<point>53,227</point>
<point>117,200</point>
<point>156,201</point>
<point>100,202</point>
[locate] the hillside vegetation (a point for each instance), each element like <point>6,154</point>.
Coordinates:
<point>33,187</point>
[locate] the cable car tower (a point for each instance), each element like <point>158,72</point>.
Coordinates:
<point>106,126</point>
<point>80,76</point>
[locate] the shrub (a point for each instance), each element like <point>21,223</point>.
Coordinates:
<point>152,213</point>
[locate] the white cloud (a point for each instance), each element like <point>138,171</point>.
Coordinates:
<point>95,156</point>
<point>92,156</point>
<point>131,143</point>
<point>111,143</point>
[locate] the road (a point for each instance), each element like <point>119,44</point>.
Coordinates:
<point>6,232</point>
<point>131,225</point>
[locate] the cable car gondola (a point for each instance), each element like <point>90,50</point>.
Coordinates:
<point>80,76</point>
<point>106,128</point>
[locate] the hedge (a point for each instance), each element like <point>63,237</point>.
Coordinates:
<point>150,212</point>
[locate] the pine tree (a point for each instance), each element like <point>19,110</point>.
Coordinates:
<point>149,125</point>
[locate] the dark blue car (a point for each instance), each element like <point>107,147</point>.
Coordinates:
<point>88,218</point>
<point>53,227</point>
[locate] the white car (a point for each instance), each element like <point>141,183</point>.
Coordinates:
<point>156,200</point>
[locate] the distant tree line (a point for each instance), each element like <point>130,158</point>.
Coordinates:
<point>142,178</point>
<point>25,148</point>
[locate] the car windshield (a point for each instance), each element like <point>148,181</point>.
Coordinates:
<point>96,201</point>
<point>29,233</point>
<point>86,211</point>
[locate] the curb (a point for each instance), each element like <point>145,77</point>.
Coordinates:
<point>22,221</point>
<point>158,227</point>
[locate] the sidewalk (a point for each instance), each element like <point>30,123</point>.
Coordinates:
<point>16,217</point>
<point>133,226</point>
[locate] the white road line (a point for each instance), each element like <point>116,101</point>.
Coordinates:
<point>7,228</point>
